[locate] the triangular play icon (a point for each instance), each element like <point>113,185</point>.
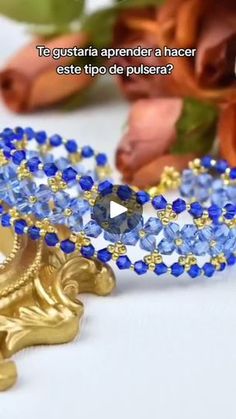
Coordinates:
<point>116,209</point>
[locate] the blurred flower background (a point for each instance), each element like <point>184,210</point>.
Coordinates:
<point>172,118</point>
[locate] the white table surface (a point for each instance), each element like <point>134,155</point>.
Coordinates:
<point>156,348</point>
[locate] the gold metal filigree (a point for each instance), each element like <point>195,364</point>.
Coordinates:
<point>39,290</point>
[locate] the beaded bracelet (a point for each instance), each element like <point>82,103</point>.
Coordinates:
<point>203,245</point>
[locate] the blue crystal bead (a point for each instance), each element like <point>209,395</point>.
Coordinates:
<point>67,246</point>
<point>101,159</point>
<point>123,262</point>
<point>20,226</point>
<point>29,132</point>
<point>196,210</point>
<point>33,164</point>
<point>159,202</point>
<point>148,243</point>
<point>71,146</point>
<point>232,174</point>
<point>221,166</point>
<point>142,197</point>
<point>124,192</point>
<point>19,133</point>
<point>18,157</point>
<point>34,233</point>
<point>105,188</point>
<point>214,212</point>
<point>104,255</point>
<point>1,209</point>
<point>88,251</point>
<point>140,267</point>
<point>6,220</point>
<point>92,229</point>
<point>206,162</point>
<point>230,211</point>
<point>153,226</point>
<point>208,269</point>
<point>177,269</point>
<point>222,267</point>
<point>55,140</point>
<point>41,137</point>
<point>69,174</point>
<point>86,183</point>
<point>179,205</point>
<point>231,260</point>
<point>87,152</point>
<point>131,238</point>
<point>50,169</point>
<point>166,247</point>
<point>161,269</point>
<point>194,271</point>
<point>51,239</point>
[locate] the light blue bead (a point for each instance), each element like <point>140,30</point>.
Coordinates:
<point>171,231</point>
<point>62,200</point>
<point>132,237</point>
<point>201,247</point>
<point>42,210</point>
<point>92,229</point>
<point>43,193</point>
<point>62,163</point>
<point>153,226</point>
<point>189,232</point>
<point>148,243</point>
<point>166,247</point>
<point>110,237</point>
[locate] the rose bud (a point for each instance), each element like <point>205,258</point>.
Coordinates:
<point>30,82</point>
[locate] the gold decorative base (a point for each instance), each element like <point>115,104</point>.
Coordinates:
<point>39,287</point>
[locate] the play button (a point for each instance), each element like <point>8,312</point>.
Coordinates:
<point>117,210</point>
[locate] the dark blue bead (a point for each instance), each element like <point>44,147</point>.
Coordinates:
<point>88,251</point>
<point>140,267</point>
<point>124,192</point>
<point>159,202</point>
<point>123,262</point>
<point>51,239</point>
<point>9,134</point>
<point>34,233</point>
<point>230,211</point>
<point>222,267</point>
<point>1,209</point>
<point>177,269</point>
<point>71,146</point>
<point>87,152</point>
<point>208,269</point>
<point>41,137</point>
<point>194,271</point>
<point>7,152</point>
<point>69,174</point>
<point>233,173</point>
<point>161,269</point>
<point>221,166</point>
<point>179,205</point>
<point>104,255</point>
<point>196,210</point>
<point>142,197</point>
<point>20,226</point>
<point>50,169</point>
<point>214,212</point>
<point>105,188</point>
<point>67,246</point>
<point>33,164</point>
<point>19,133</point>
<point>206,162</point>
<point>55,140</point>
<point>18,157</point>
<point>86,183</point>
<point>101,159</point>
<point>6,220</point>
<point>29,133</point>
<point>231,260</point>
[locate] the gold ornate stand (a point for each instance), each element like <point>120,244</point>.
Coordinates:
<point>38,296</point>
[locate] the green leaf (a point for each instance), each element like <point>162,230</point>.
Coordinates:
<point>139,3</point>
<point>100,26</point>
<point>196,128</point>
<point>43,12</point>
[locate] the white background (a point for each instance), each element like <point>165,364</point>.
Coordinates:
<point>157,348</point>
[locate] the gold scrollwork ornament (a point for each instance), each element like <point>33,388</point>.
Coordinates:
<point>39,302</point>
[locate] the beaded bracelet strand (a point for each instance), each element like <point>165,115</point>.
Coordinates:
<point>212,232</point>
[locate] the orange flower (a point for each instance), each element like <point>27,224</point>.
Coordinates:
<point>30,82</point>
